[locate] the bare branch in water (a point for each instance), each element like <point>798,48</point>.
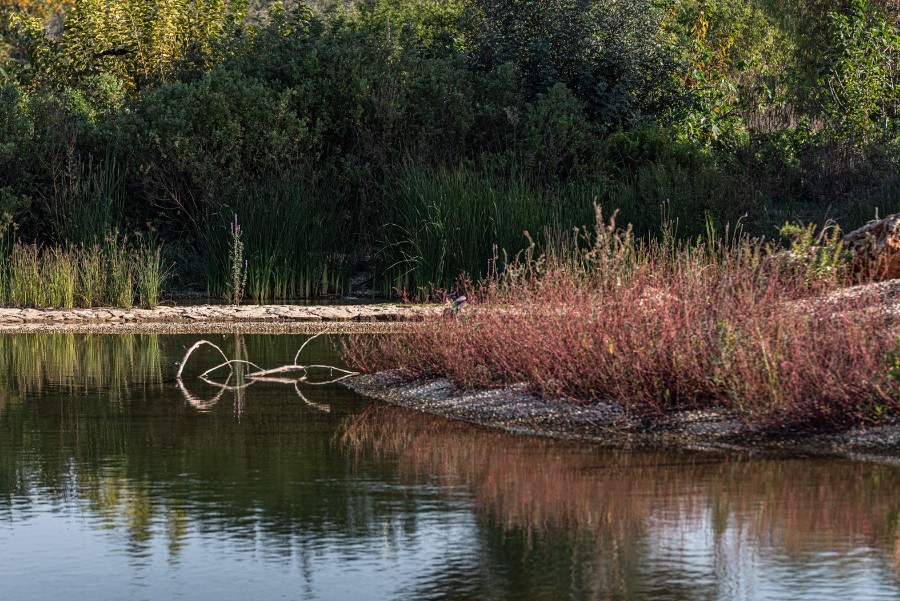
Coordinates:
<point>303,346</point>
<point>191,350</point>
<point>260,375</point>
<point>228,364</point>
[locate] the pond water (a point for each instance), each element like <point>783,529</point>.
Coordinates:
<point>115,483</point>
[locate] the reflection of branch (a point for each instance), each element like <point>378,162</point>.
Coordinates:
<point>200,404</point>
<point>334,381</point>
<point>225,386</point>
<point>318,406</point>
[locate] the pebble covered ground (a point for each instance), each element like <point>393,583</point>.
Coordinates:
<point>516,411</point>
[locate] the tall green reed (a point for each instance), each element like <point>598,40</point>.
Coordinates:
<point>295,241</point>
<point>88,201</point>
<point>113,273</point>
<point>445,222</point>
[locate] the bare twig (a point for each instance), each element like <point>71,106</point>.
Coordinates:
<point>303,346</point>
<point>228,364</point>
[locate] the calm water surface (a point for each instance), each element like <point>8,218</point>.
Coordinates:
<point>117,484</point>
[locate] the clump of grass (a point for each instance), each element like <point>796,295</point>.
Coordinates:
<point>660,327</point>
<point>119,270</point>
<point>58,272</point>
<point>113,273</point>
<point>91,276</point>
<point>149,275</point>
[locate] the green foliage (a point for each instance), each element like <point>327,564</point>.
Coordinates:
<point>517,114</point>
<point>859,77</point>
<point>556,134</point>
<point>16,126</point>
<point>605,53</point>
<point>819,254</point>
<point>429,26</point>
<point>149,38</point>
<point>16,133</point>
<point>196,139</point>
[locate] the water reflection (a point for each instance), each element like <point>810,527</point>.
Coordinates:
<point>34,364</point>
<point>722,516</point>
<point>105,461</point>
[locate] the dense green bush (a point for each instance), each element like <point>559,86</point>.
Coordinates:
<point>609,54</point>
<point>861,94</point>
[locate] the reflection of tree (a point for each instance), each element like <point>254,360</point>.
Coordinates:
<point>626,501</point>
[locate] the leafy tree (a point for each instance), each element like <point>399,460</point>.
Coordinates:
<point>859,77</point>
<point>138,41</point>
<point>432,26</point>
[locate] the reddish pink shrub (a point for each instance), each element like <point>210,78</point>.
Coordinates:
<point>664,333</point>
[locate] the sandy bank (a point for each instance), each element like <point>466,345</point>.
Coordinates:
<point>214,318</point>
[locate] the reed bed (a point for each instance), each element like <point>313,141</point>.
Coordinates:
<point>109,274</point>
<point>294,237</point>
<point>661,327</point>
<point>443,222</point>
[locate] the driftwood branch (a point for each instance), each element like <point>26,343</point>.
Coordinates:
<point>190,352</point>
<point>260,375</point>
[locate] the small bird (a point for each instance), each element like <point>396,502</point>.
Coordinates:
<point>457,299</point>
<point>112,52</point>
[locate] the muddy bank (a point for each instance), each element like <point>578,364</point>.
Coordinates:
<point>516,411</point>
<point>214,318</point>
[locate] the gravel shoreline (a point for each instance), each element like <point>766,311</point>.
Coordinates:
<point>516,411</point>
